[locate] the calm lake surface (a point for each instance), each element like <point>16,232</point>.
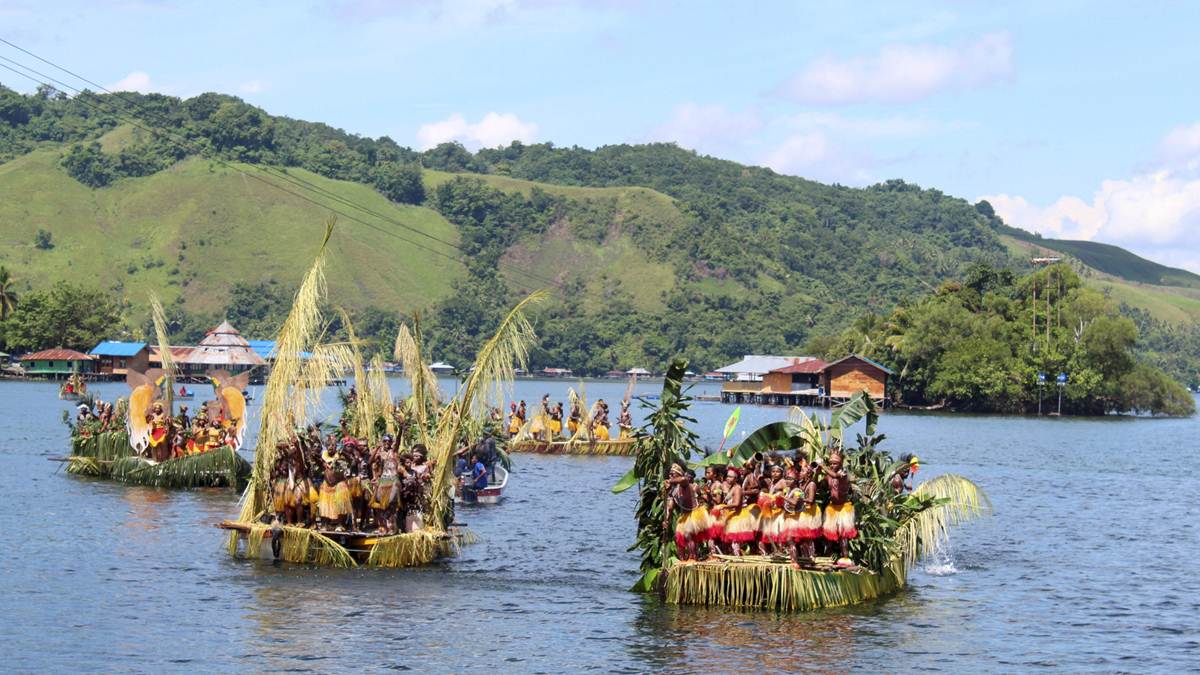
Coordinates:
<point>1088,563</point>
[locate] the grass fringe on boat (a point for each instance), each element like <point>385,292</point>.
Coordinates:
<point>222,467</point>
<point>301,545</point>
<point>770,585</point>
<point>104,446</point>
<point>618,448</point>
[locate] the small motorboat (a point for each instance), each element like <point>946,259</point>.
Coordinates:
<point>492,494</point>
<point>184,394</point>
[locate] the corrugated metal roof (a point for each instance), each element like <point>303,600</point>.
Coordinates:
<point>224,335</point>
<point>864,359</point>
<point>57,355</point>
<point>754,364</point>
<point>804,367</point>
<point>114,348</point>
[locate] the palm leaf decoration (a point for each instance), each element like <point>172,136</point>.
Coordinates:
<point>664,440</point>
<point>494,369</point>
<point>164,350</point>
<point>423,384</point>
<point>289,389</point>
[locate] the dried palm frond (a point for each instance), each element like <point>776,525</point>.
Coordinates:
<point>776,586</point>
<point>494,367</point>
<point>364,412</point>
<point>279,410</point>
<point>164,349</point>
<point>409,549</point>
<point>300,545</point>
<point>381,394</point>
<point>959,500</point>
<point>423,382</point>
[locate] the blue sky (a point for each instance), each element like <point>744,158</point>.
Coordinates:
<point>1075,119</point>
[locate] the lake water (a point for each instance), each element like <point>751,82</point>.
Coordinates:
<point>1087,564</point>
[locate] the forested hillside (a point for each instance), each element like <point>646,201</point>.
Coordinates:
<point>652,250</point>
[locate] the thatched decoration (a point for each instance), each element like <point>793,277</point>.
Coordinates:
<point>222,467</point>
<point>775,586</point>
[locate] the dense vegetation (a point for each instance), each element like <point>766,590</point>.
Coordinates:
<point>755,262</point>
<point>979,344</point>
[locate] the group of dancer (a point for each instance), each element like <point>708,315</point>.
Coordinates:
<point>171,436</point>
<point>769,505</point>
<point>548,424</point>
<point>338,482</point>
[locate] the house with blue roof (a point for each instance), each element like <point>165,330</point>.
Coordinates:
<point>115,359</point>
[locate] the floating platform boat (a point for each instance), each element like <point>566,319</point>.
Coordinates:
<point>492,494</point>
<point>303,545</point>
<point>770,582</point>
<point>108,454</point>
<point>621,447</point>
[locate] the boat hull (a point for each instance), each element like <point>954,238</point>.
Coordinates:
<point>492,494</point>
<point>620,447</point>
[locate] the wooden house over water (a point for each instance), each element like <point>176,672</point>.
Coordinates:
<point>58,363</point>
<point>846,377</point>
<point>802,380</point>
<point>116,359</point>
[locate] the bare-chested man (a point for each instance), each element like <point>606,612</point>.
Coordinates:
<point>692,519</point>
<point>839,513</point>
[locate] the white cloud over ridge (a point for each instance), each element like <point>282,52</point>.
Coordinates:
<point>904,73</point>
<point>138,81</point>
<point>1154,213</point>
<point>707,128</point>
<point>494,130</point>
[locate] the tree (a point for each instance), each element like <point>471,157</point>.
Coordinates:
<point>42,240</point>
<point>67,315</point>
<point>89,165</point>
<point>8,296</point>
<point>399,182</point>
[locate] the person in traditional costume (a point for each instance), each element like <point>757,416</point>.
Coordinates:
<point>839,523</point>
<point>770,510</point>
<point>692,522</point>
<point>555,425</point>
<point>574,418</point>
<point>280,498</point>
<point>808,527</point>
<point>335,506</point>
<point>160,429</point>
<point>198,436</point>
<point>387,488</point>
<point>625,422</point>
<point>182,419</point>
<point>713,495</point>
<point>514,422</point>
<point>741,523</point>
<point>600,426</point>
<point>902,479</point>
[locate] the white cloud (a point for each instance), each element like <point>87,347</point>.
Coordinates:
<point>495,129</point>
<point>707,128</point>
<point>138,81</point>
<point>251,87</point>
<point>903,73</point>
<point>875,127</point>
<point>1154,213</point>
<point>798,152</point>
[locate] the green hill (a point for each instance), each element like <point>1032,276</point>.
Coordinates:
<point>653,250</point>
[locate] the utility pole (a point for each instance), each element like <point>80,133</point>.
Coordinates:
<point>1041,382</point>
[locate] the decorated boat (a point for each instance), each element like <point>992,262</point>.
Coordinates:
<point>882,528</point>
<point>581,446</point>
<point>74,388</point>
<point>312,530</point>
<point>141,440</point>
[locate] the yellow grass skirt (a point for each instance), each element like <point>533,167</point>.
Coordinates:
<point>839,522</point>
<point>335,501</point>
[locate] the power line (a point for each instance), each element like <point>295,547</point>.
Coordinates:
<point>299,182</point>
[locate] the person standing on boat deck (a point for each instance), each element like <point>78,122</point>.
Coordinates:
<point>625,422</point>
<point>182,418</point>
<point>692,522</point>
<point>555,424</point>
<point>514,425</point>
<point>574,418</point>
<point>839,513</point>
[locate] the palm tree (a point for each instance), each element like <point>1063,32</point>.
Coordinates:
<point>8,296</point>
